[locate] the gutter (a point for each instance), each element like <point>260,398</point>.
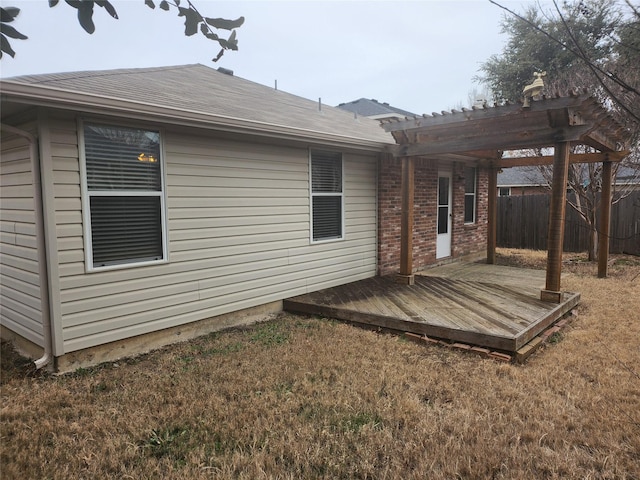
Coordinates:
<point>42,256</point>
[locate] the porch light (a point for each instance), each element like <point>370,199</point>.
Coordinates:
<point>143,157</point>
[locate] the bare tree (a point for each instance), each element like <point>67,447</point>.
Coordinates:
<point>593,44</point>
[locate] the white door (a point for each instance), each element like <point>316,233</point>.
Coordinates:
<point>443,243</point>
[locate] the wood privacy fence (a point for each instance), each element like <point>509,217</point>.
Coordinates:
<point>523,223</point>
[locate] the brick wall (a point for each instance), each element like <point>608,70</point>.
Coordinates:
<point>389,215</point>
<point>466,239</point>
<point>469,238</point>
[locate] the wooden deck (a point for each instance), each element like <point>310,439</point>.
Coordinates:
<point>490,306</point>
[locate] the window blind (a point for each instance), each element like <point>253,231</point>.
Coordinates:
<point>125,229</point>
<point>124,186</point>
<point>326,172</point>
<point>326,198</point>
<point>122,159</point>
<point>327,217</point>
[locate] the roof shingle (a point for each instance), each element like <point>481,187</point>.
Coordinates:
<point>201,89</point>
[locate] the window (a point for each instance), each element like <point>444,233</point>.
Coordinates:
<point>504,191</point>
<point>443,203</point>
<point>469,195</point>
<point>123,195</point>
<point>326,196</point>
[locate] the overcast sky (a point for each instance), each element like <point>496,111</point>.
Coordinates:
<point>420,56</point>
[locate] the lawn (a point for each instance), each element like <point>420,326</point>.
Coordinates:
<point>299,398</point>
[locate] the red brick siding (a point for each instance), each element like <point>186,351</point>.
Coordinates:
<point>389,215</point>
<point>425,215</point>
<point>466,239</point>
<point>469,238</point>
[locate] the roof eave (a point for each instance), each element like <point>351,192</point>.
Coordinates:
<point>39,95</point>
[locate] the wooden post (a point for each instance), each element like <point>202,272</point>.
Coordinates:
<point>492,215</point>
<point>605,220</point>
<point>406,227</point>
<point>555,239</point>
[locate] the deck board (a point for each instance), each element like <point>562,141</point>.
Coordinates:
<point>485,305</point>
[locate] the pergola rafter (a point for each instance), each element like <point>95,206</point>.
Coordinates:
<point>480,136</point>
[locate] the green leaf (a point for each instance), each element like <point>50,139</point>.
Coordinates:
<point>108,7</point>
<point>191,20</point>
<point>85,16</point>
<point>224,24</point>
<point>5,47</point>
<point>150,4</point>
<point>8,14</point>
<point>164,5</point>
<point>11,32</point>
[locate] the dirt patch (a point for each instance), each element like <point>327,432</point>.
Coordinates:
<point>305,397</point>
<point>12,365</point>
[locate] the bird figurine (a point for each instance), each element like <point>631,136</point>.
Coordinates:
<point>533,88</point>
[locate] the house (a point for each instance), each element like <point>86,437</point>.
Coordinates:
<point>628,177</point>
<point>521,181</point>
<point>373,109</point>
<point>146,206</point>
<point>531,181</point>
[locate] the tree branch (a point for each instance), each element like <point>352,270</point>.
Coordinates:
<point>580,54</point>
<point>594,69</point>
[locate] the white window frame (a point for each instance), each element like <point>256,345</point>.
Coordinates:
<point>86,195</point>
<point>501,189</point>
<point>471,194</point>
<point>330,194</point>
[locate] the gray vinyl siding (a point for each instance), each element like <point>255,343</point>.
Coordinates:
<point>238,236</point>
<point>20,302</point>
<point>68,203</point>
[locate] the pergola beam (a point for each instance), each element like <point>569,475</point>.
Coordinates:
<point>483,115</point>
<point>601,140</point>
<point>573,158</point>
<point>463,142</point>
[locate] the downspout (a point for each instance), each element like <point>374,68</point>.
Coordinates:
<point>42,255</point>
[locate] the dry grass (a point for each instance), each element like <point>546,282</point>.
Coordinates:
<point>311,398</point>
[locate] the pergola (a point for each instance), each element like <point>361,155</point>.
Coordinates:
<point>480,135</point>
